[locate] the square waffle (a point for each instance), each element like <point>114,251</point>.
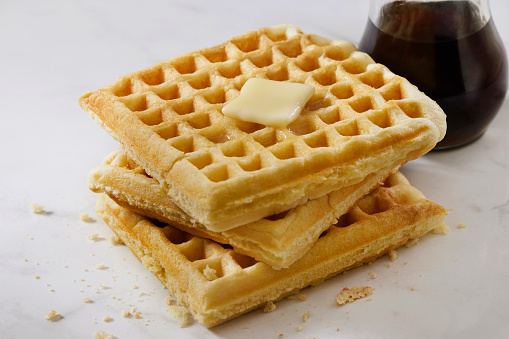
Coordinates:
<point>216,284</point>
<point>277,240</point>
<point>226,172</point>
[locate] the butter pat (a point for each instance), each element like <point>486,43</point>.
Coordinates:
<point>268,102</point>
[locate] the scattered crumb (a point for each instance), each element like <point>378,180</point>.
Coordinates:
<point>348,295</point>
<point>413,288</point>
<point>85,217</point>
<point>115,240</point>
<point>209,273</point>
<point>107,319</point>
<point>373,275</point>
<point>36,208</point>
<point>53,316</point>
<point>299,328</point>
<point>36,276</point>
<point>411,242</point>
<point>462,225</point>
<point>135,287</point>
<point>169,300</point>
<point>100,267</point>
<point>393,255</point>
<point>269,307</point>
<point>183,317</point>
<point>306,315</point>
<point>103,335</point>
<point>281,335</point>
<point>135,313</point>
<point>87,301</point>
<point>93,236</point>
<point>125,313</point>
<point>388,265</point>
<point>303,297</point>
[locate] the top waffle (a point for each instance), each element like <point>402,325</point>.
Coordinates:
<point>225,172</point>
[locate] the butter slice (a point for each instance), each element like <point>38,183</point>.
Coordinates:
<point>268,102</point>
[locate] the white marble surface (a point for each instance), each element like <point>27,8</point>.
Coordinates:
<point>54,51</point>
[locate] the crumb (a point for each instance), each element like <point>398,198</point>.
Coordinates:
<point>306,315</point>
<point>181,314</point>
<point>36,208</point>
<point>53,316</point>
<point>87,301</point>
<point>303,297</point>
<point>85,217</point>
<point>36,276</point>
<point>393,255</point>
<point>169,300</point>
<point>209,273</point>
<point>93,236</point>
<point>369,299</point>
<point>135,313</point>
<point>413,288</point>
<point>373,275</point>
<point>107,319</point>
<point>103,335</point>
<point>281,335</point>
<point>405,263</point>
<point>388,265</point>
<point>348,295</point>
<point>299,328</point>
<point>411,242</point>
<point>462,225</point>
<point>135,287</point>
<point>125,313</point>
<point>100,267</point>
<point>26,260</point>
<point>115,240</point>
<point>269,307</point>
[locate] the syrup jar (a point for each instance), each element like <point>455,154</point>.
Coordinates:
<point>450,50</point>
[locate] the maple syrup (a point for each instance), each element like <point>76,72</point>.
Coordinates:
<point>450,52</point>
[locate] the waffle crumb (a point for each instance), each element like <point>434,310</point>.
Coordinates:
<point>181,314</point>
<point>87,301</point>
<point>100,267</point>
<point>348,295</point>
<point>93,236</point>
<point>413,288</point>
<point>306,316</point>
<point>103,335</point>
<point>53,316</point>
<point>270,307</point>
<point>115,240</point>
<point>373,275</point>
<point>303,297</point>
<point>411,242</point>
<point>36,208</point>
<point>36,276</point>
<point>393,255</point>
<point>125,313</point>
<point>85,217</point>
<point>462,225</point>
<point>209,273</point>
<point>107,319</point>
<point>299,328</point>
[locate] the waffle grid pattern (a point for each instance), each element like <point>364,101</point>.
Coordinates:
<point>181,99</point>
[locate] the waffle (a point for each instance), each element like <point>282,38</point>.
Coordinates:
<point>277,240</point>
<point>225,172</point>
<point>216,284</point>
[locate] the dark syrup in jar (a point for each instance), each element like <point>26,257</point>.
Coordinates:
<point>448,53</point>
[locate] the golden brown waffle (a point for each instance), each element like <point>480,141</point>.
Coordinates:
<point>226,172</point>
<point>277,240</point>
<point>217,284</point>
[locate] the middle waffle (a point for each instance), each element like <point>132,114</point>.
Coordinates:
<point>277,240</point>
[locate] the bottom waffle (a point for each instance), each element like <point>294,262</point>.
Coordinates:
<point>216,284</point>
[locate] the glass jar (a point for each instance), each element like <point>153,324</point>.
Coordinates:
<point>450,50</point>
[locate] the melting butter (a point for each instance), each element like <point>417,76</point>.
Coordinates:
<point>268,102</point>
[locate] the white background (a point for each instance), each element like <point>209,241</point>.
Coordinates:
<point>51,52</point>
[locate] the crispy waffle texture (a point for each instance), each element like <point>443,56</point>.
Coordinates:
<point>225,172</point>
<point>216,284</point>
<point>277,240</point>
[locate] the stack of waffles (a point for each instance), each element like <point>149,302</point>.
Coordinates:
<point>231,215</point>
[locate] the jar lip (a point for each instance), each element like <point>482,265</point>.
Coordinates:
<point>454,18</point>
